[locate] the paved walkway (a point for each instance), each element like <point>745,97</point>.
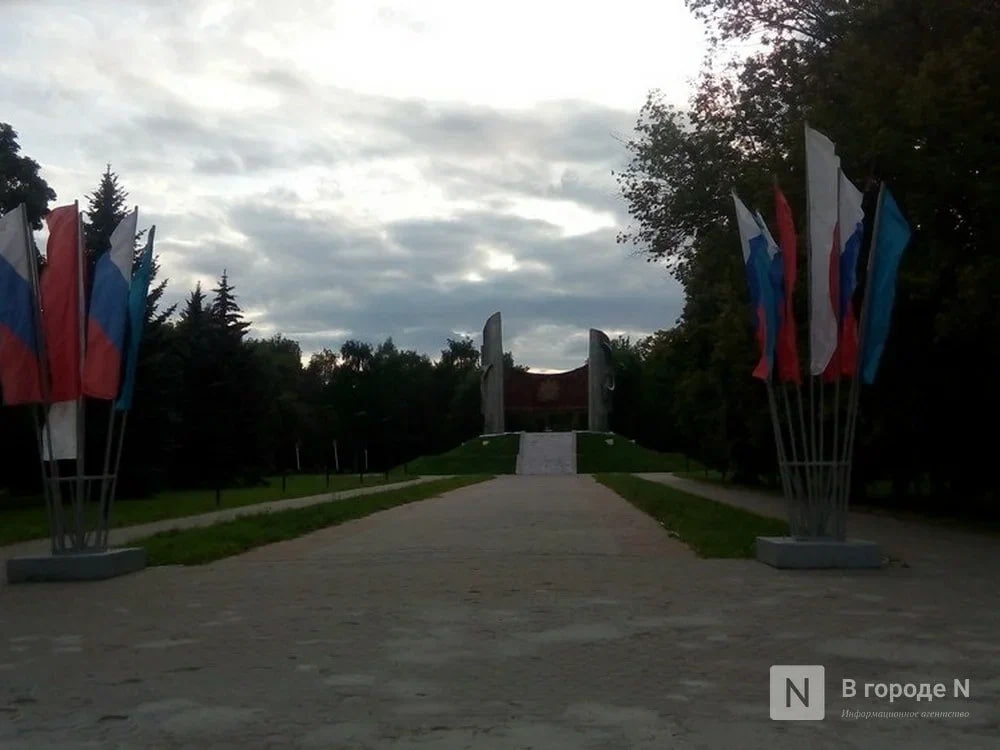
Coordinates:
<point>547,453</point>
<point>524,612</point>
<point>122,536</point>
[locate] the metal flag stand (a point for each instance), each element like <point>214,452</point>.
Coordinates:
<point>815,447</point>
<point>78,505</point>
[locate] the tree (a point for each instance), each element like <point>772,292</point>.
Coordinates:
<point>20,181</point>
<point>226,311</point>
<point>904,88</point>
<point>460,353</point>
<point>106,208</point>
<point>194,308</point>
<point>323,366</point>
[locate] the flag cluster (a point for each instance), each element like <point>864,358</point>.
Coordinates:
<point>56,346</point>
<point>839,344</point>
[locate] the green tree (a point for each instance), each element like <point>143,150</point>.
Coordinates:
<point>106,207</point>
<point>20,181</point>
<point>226,311</point>
<point>905,89</point>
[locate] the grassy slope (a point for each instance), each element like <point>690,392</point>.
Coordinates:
<point>497,456</point>
<point>201,545</point>
<point>711,529</point>
<point>880,504</point>
<point>594,455</point>
<point>22,524</point>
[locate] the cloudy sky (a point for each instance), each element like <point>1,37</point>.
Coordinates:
<point>366,169</point>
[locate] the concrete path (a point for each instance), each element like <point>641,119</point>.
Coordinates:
<point>525,612</point>
<point>547,453</point>
<point>122,536</point>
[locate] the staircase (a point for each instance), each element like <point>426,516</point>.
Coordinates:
<point>547,453</point>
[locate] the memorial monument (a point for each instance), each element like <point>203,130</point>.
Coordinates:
<point>601,381</point>
<point>491,379</point>
<point>576,399</point>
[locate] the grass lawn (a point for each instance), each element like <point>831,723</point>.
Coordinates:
<point>594,455</point>
<point>481,455</point>
<point>201,545</point>
<point>21,524</point>
<point>879,503</point>
<point>711,476</point>
<point>711,529</point>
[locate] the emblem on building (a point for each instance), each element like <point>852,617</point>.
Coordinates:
<point>548,391</point>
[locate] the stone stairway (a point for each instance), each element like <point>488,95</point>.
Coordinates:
<point>547,453</point>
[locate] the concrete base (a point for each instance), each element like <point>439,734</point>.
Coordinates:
<point>85,566</point>
<point>791,552</point>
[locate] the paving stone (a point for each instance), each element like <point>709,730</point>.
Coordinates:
<point>528,611</point>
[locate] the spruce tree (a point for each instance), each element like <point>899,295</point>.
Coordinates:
<point>194,307</point>
<point>107,206</point>
<point>226,311</point>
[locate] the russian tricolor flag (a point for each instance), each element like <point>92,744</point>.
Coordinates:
<point>765,279</point>
<point>850,235</point>
<point>20,353</point>
<point>108,314</point>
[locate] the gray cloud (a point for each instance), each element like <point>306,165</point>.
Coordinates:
<point>340,212</point>
<point>335,278</point>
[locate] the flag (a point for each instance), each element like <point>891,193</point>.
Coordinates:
<point>59,433</point>
<point>764,279</point>
<point>20,353</point>
<point>822,165</point>
<point>61,308</point>
<point>850,235</point>
<point>788,347</point>
<point>137,292</point>
<point>892,234</point>
<point>108,316</point>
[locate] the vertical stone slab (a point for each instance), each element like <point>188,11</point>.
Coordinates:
<point>601,381</point>
<point>491,377</point>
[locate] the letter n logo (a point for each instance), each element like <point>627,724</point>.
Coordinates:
<point>798,692</point>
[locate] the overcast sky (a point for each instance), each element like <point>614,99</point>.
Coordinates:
<point>366,169</point>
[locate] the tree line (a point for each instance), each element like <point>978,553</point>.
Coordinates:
<point>216,407</point>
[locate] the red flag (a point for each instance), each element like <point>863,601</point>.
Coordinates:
<point>787,346</point>
<point>60,287</point>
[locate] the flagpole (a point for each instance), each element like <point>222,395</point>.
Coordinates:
<point>81,434</point>
<point>779,443</point>
<point>114,480</point>
<point>48,489</point>
<point>853,399</point>
<point>812,467</point>
<point>109,496</point>
<point>839,354</point>
<point>794,467</point>
<point>102,507</point>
